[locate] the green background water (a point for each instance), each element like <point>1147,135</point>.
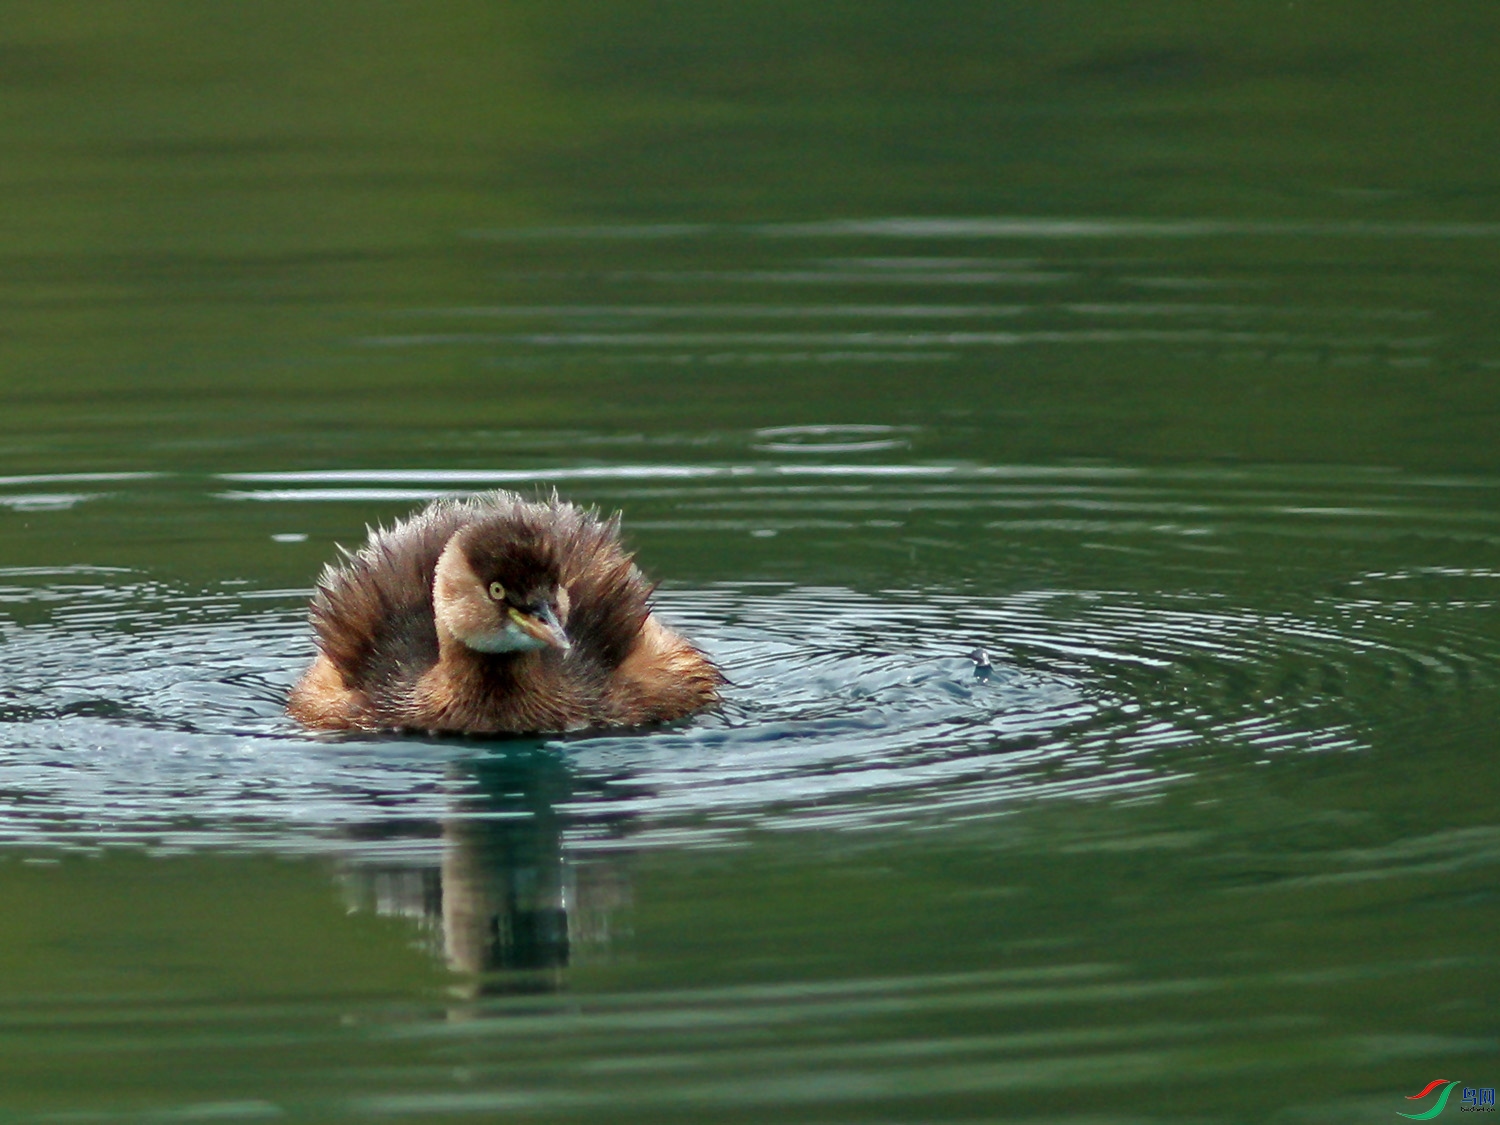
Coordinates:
<point>1151,348</point>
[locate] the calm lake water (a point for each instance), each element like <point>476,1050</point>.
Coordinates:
<point>1154,354</point>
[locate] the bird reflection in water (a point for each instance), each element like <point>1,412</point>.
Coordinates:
<point>504,905</point>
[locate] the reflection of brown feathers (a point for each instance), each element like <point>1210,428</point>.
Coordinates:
<point>382,665</point>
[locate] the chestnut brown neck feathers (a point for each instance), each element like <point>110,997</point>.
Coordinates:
<point>495,614</point>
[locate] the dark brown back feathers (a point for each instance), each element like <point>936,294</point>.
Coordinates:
<point>373,615</point>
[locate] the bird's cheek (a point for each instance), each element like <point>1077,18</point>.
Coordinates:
<point>465,616</point>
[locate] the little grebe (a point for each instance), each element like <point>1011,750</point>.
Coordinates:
<point>495,614</point>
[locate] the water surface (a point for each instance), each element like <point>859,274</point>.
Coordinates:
<point>1128,355</point>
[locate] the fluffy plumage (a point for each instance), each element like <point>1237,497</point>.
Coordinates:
<point>495,614</point>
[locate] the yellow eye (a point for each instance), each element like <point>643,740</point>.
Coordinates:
<point>497,591</point>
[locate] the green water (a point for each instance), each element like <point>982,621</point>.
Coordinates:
<point>1152,351</point>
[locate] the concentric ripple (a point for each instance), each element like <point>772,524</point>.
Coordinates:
<point>1126,650</point>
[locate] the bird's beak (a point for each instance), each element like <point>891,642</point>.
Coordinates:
<point>544,626</point>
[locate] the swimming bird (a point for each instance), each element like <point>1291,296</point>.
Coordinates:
<point>495,614</point>
<point>983,669</point>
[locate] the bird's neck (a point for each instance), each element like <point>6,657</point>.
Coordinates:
<point>464,663</point>
<point>479,691</point>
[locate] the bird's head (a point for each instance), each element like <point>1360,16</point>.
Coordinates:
<point>498,588</point>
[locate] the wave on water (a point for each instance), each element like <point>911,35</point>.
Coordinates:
<point>134,712</point>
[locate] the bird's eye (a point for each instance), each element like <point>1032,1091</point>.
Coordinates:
<point>497,591</point>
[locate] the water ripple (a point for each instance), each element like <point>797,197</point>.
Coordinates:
<point>140,712</point>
